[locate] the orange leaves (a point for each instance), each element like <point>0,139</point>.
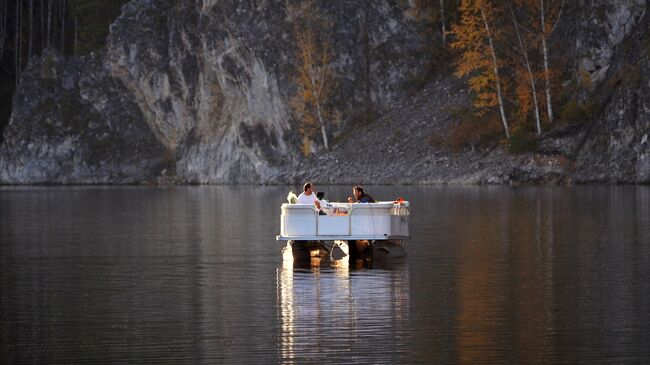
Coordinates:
<point>504,55</point>
<point>476,61</point>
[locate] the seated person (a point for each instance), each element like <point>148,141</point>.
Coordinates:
<point>324,204</point>
<point>360,196</point>
<point>308,196</point>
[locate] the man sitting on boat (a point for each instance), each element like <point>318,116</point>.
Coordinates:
<point>360,196</point>
<point>308,196</point>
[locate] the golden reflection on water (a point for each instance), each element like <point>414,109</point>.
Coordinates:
<point>326,312</point>
<point>286,304</point>
<point>505,286</point>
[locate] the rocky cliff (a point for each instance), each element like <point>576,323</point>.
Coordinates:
<point>199,91</point>
<point>73,123</point>
<point>213,79</point>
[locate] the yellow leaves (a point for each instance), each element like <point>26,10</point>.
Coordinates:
<point>306,146</point>
<point>501,55</point>
<point>475,59</point>
<point>314,77</point>
<point>523,94</point>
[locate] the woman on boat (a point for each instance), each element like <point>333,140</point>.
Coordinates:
<point>360,196</point>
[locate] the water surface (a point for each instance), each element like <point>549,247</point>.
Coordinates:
<point>193,274</point>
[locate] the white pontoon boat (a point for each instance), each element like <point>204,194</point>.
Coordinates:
<point>368,225</point>
<point>361,221</point>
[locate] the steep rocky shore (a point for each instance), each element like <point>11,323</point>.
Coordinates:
<point>73,124</point>
<point>198,92</point>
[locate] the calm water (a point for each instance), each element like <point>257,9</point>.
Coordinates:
<point>193,274</point>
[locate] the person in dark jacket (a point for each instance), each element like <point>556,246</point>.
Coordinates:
<point>360,196</point>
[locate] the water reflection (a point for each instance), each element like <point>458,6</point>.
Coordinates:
<point>329,314</point>
<point>133,275</point>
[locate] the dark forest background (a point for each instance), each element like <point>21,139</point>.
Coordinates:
<point>27,27</point>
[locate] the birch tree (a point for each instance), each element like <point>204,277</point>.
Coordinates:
<point>475,39</point>
<point>526,61</point>
<point>3,27</point>
<point>49,23</point>
<point>17,43</point>
<point>365,40</point>
<point>314,78</point>
<point>435,13</point>
<point>30,37</point>
<point>443,23</point>
<point>549,14</point>
<point>42,15</point>
<point>63,26</point>
<point>75,46</point>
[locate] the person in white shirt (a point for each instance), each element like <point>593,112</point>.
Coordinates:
<point>308,196</point>
<point>326,207</point>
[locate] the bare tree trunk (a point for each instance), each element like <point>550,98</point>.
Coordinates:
<point>76,40</point>
<point>63,27</point>
<point>30,37</point>
<point>524,52</point>
<point>496,75</point>
<point>3,28</point>
<point>18,36</point>
<point>547,78</point>
<point>49,22</point>
<point>42,43</point>
<point>322,127</point>
<point>442,17</point>
<point>366,64</point>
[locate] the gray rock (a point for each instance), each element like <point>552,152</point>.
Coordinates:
<point>198,92</point>
<point>60,133</point>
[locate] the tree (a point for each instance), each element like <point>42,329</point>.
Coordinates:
<point>49,22</point>
<point>314,77</point>
<point>549,14</point>
<point>365,40</point>
<point>42,14</point>
<point>18,45</point>
<point>30,37</point>
<point>523,94</point>
<point>3,26</point>
<point>435,13</point>
<point>63,26</point>
<point>442,22</point>
<point>476,41</point>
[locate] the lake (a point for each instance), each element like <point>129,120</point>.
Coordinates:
<point>194,275</point>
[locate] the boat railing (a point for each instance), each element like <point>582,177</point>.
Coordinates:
<point>382,220</point>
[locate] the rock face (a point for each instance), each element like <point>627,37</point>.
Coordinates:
<point>604,25</point>
<point>199,90</point>
<point>213,79</point>
<point>72,123</point>
<point>615,147</point>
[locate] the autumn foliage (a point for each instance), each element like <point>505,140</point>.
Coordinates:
<point>503,53</point>
<point>476,37</point>
<point>314,78</point>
